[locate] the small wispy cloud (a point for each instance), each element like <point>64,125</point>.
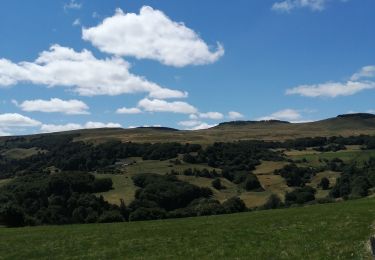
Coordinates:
<point>129,111</point>
<point>355,85</point>
<point>331,89</point>
<point>285,114</point>
<point>76,22</point>
<point>365,72</point>
<point>195,125</point>
<point>290,115</point>
<point>72,5</point>
<point>287,6</point>
<point>233,115</point>
<point>49,128</point>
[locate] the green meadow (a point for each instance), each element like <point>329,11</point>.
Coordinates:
<point>326,231</point>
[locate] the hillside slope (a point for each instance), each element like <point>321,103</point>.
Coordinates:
<point>344,125</point>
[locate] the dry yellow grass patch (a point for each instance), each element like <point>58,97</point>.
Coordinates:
<point>267,167</point>
<point>270,182</point>
<point>4,181</point>
<point>123,188</point>
<point>332,177</point>
<point>255,199</point>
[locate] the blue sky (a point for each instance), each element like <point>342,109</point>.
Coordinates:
<point>183,64</point>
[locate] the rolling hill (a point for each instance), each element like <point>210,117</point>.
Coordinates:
<point>272,130</point>
<point>293,233</point>
<point>344,125</point>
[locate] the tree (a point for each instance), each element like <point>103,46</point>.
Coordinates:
<point>111,216</point>
<point>124,210</point>
<point>234,205</point>
<point>102,185</point>
<point>217,184</point>
<point>147,214</point>
<point>252,183</point>
<point>300,195</point>
<point>188,158</point>
<point>12,216</point>
<point>324,183</point>
<point>206,207</point>
<point>273,202</point>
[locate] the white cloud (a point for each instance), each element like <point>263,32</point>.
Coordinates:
<point>76,22</point>
<point>365,72</point>
<point>235,115</point>
<point>151,35</point>
<point>195,125</point>
<point>133,126</point>
<point>101,125</point>
<point>55,105</point>
<point>163,93</point>
<point>81,72</point>
<point>207,115</point>
<point>335,89</point>
<point>124,110</point>
<point>190,123</point>
<point>72,5</point>
<point>331,89</point>
<point>211,115</point>
<point>17,120</point>
<point>288,5</point>
<point>285,6</point>
<point>157,105</point>
<point>193,116</point>
<point>286,114</point>
<point>48,128</point>
<point>203,126</point>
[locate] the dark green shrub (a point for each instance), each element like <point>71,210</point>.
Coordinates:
<point>234,205</point>
<point>110,216</point>
<point>324,183</point>
<point>147,214</point>
<point>273,202</point>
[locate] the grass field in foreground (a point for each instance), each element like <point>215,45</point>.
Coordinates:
<point>329,231</point>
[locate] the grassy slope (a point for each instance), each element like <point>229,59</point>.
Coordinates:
<point>330,231</point>
<point>346,155</point>
<point>20,153</point>
<point>125,189</point>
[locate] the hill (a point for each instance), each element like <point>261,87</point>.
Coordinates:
<point>328,231</point>
<point>343,125</point>
<point>271,130</point>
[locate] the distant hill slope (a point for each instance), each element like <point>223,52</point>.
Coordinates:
<point>344,125</point>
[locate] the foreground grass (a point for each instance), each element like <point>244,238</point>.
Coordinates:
<point>330,231</point>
